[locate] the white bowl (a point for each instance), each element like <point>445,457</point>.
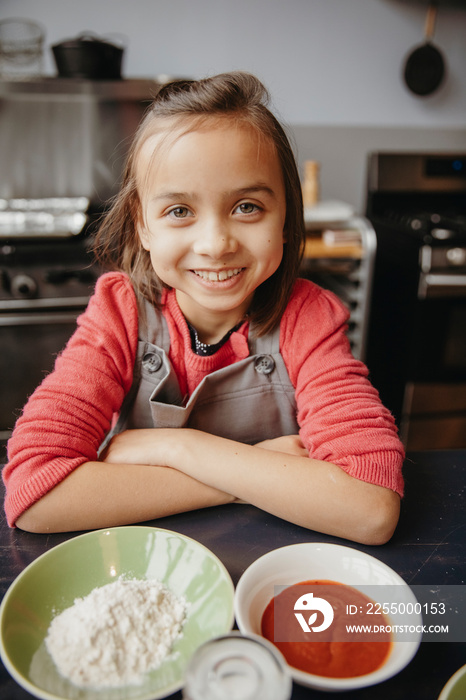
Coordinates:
<point>312,561</point>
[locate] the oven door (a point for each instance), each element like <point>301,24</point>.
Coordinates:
<point>29,344</point>
<point>438,350</point>
<point>434,407</point>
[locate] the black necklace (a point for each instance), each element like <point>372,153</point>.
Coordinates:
<point>206,349</point>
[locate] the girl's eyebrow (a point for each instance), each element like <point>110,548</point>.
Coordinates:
<point>175,196</point>
<point>241,192</point>
<point>253,189</point>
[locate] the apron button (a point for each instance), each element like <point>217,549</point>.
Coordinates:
<point>264,364</point>
<point>151,361</point>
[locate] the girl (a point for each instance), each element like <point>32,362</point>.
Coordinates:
<point>243,369</point>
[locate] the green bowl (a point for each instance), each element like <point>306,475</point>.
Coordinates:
<point>73,569</point>
<point>455,689</point>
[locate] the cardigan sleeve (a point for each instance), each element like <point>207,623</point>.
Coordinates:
<point>340,415</point>
<point>67,417</point>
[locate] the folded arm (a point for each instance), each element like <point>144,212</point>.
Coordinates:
<point>202,470</point>
<point>99,494</point>
<point>312,493</point>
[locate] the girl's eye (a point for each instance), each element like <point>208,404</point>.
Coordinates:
<point>247,208</point>
<point>179,212</point>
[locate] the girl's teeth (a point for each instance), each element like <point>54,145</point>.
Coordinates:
<point>217,276</point>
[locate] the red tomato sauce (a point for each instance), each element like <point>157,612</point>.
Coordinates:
<point>361,654</point>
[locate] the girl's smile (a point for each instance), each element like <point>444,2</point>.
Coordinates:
<point>218,275</point>
<point>213,218</point>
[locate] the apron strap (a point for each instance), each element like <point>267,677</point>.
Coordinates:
<point>152,328</point>
<point>265,344</point>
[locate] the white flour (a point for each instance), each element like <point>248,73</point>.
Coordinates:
<point>116,633</point>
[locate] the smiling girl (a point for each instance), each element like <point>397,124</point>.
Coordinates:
<point>204,372</point>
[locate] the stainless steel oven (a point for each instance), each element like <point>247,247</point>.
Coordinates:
<point>43,290</point>
<point>417,332</point>
<point>29,343</point>
<point>63,144</point>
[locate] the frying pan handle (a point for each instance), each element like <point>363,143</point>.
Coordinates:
<point>430,21</point>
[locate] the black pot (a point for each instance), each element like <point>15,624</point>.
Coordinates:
<point>88,57</point>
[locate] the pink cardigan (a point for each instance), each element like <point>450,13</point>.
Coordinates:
<point>64,422</point>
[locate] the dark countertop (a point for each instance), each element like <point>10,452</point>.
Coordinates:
<point>428,548</point>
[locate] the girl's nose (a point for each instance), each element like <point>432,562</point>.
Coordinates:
<point>214,239</point>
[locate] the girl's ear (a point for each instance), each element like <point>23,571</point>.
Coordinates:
<point>143,234</point>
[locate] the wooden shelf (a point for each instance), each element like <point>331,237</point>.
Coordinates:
<point>316,248</point>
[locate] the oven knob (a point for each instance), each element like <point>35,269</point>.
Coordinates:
<point>23,286</point>
<point>456,256</point>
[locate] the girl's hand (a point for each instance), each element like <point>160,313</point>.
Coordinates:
<point>289,444</point>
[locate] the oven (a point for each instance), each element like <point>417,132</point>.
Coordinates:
<point>417,331</point>
<point>63,144</point>
<point>44,287</point>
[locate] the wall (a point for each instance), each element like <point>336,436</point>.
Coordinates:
<point>334,67</point>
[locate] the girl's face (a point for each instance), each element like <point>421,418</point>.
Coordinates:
<point>214,214</point>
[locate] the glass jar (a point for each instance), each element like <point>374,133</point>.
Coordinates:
<point>21,47</point>
<point>236,667</point>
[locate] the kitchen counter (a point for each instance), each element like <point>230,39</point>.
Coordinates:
<point>428,547</point>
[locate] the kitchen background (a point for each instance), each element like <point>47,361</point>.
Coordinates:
<point>334,67</point>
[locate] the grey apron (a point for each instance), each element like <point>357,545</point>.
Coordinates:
<point>248,401</point>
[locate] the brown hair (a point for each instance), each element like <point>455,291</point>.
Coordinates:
<point>243,97</point>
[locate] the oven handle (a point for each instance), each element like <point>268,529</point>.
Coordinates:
<point>436,286</point>
<point>39,319</point>
<point>41,304</point>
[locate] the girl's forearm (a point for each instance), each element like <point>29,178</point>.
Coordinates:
<point>312,493</point>
<point>98,495</point>
<point>201,470</point>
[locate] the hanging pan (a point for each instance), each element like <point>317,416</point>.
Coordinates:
<point>424,69</point>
